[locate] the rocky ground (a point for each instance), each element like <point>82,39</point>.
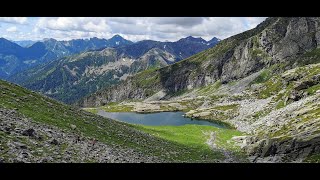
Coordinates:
<point>24,140</point>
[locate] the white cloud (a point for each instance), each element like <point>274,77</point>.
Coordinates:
<point>14,20</point>
<point>134,28</point>
<point>12,29</point>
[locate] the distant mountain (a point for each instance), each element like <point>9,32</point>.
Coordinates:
<point>181,49</point>
<point>25,43</point>
<point>71,78</point>
<point>14,58</point>
<point>214,40</point>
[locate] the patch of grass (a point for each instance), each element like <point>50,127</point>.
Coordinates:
<point>209,89</point>
<point>194,137</point>
<point>232,83</point>
<point>315,158</point>
<point>271,87</point>
<point>312,90</point>
<point>117,108</point>
<point>280,104</point>
<point>263,77</point>
<point>92,110</point>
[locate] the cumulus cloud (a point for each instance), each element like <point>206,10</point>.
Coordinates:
<point>12,29</point>
<point>14,20</point>
<point>138,28</point>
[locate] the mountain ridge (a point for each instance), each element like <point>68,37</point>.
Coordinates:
<point>73,77</point>
<point>14,58</point>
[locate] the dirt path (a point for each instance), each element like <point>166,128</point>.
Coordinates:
<point>211,142</point>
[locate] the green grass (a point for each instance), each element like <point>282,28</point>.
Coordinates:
<point>271,87</point>
<point>209,89</point>
<point>280,104</point>
<point>313,159</point>
<point>111,107</point>
<point>263,77</point>
<point>312,90</point>
<point>117,108</point>
<point>194,137</point>
<point>92,110</point>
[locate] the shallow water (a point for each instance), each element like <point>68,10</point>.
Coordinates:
<point>156,119</point>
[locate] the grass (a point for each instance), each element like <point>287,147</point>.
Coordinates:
<point>315,158</point>
<point>194,137</point>
<point>209,89</point>
<point>263,77</point>
<point>111,107</point>
<point>91,110</point>
<point>280,104</point>
<point>312,90</point>
<point>271,87</point>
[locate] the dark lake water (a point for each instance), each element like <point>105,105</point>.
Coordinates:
<point>156,119</point>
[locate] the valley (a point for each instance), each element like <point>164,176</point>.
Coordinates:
<point>250,98</point>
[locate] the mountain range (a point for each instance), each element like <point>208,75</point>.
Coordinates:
<point>25,43</point>
<point>70,78</point>
<point>15,59</point>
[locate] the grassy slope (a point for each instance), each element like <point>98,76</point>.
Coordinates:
<point>194,136</point>
<point>51,112</point>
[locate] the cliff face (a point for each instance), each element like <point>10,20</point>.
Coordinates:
<point>286,41</point>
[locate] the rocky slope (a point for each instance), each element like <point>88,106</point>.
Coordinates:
<point>71,78</point>
<point>288,41</point>
<point>34,128</point>
<point>14,58</point>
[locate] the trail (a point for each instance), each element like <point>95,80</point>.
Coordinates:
<point>211,142</point>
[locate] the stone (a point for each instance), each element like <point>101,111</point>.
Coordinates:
<point>54,142</point>
<point>201,114</point>
<point>20,145</point>
<point>29,132</point>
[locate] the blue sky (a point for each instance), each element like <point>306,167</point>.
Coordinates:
<point>132,28</point>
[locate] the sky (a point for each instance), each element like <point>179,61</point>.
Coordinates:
<point>131,28</point>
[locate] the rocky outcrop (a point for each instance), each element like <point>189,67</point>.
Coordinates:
<point>274,41</point>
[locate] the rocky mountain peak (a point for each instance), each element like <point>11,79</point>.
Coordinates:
<point>194,39</point>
